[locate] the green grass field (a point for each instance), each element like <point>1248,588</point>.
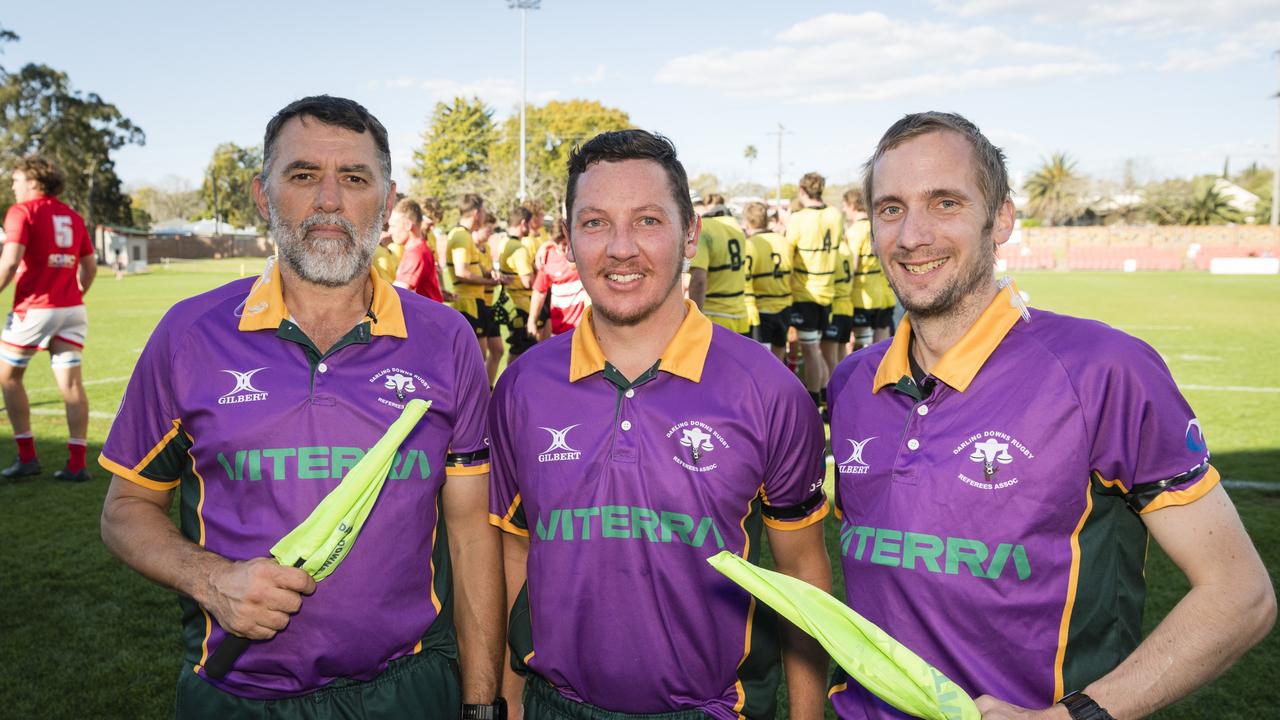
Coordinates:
<point>82,636</point>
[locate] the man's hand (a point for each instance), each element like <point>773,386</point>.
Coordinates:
<point>993,709</point>
<point>255,598</point>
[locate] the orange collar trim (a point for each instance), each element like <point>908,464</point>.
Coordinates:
<point>685,355</point>
<point>264,309</point>
<point>959,365</point>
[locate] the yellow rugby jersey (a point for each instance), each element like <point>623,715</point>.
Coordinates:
<point>385,262</point>
<point>722,252</point>
<point>463,253</point>
<point>842,300</point>
<point>871,289</point>
<point>816,233</point>
<point>769,260</point>
<point>516,260</point>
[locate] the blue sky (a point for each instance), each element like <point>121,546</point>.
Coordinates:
<point>1173,85</point>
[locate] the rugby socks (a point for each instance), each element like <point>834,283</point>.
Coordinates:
<point>75,454</point>
<point>26,447</point>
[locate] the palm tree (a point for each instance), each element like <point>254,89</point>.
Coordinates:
<point>1207,206</point>
<point>751,153</point>
<point>1055,190</point>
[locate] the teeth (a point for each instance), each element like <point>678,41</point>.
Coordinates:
<point>921,269</point>
<point>623,278</point>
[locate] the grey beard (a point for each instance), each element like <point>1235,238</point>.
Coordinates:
<point>327,262</point>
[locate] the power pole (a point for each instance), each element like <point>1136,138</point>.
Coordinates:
<point>524,6</point>
<point>777,196</point>
<point>1275,175</point>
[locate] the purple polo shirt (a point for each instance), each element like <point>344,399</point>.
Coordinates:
<point>994,526</point>
<point>625,489</point>
<point>231,406</point>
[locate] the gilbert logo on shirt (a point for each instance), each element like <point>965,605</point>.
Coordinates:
<point>990,449</point>
<point>854,464</point>
<point>695,442</point>
<point>244,391</point>
<point>559,449</point>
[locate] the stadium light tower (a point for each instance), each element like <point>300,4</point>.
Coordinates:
<point>524,6</point>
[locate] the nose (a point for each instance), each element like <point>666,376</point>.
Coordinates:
<point>622,243</point>
<point>914,231</point>
<point>328,194</point>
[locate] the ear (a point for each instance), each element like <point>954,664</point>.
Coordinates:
<point>691,242</point>
<point>391,198</point>
<point>260,198</point>
<point>1002,228</point>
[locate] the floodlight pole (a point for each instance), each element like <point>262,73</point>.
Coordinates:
<point>1275,175</point>
<point>524,6</point>
<point>777,197</point>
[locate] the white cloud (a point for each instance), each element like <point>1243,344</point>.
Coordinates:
<point>499,93</point>
<point>593,78</point>
<point>1195,16</point>
<point>869,56</point>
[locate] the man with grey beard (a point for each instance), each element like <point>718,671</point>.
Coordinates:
<point>252,401</point>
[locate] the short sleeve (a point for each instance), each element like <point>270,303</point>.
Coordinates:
<point>469,447</point>
<point>411,267</point>
<point>520,261</point>
<point>793,495</point>
<point>702,258</point>
<point>506,510</point>
<point>1147,442</point>
<point>542,283</point>
<point>16,225</point>
<point>146,444</point>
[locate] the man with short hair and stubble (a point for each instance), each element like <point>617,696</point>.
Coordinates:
<point>253,400</point>
<point>769,261</point>
<point>815,231</point>
<point>632,449</point>
<point>1001,470</point>
<point>48,250</point>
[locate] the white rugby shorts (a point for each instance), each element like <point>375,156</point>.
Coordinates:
<point>34,329</point>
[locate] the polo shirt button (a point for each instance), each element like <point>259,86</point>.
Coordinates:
<point>631,393</point>
<point>914,444</point>
<point>322,367</point>
<point>626,424</point>
<point>922,410</point>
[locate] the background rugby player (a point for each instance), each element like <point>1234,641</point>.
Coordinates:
<point>47,246</point>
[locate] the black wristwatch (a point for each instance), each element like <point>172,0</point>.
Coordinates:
<point>496,710</point>
<point>1083,707</point>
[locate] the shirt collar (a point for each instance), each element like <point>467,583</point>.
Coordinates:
<point>959,365</point>
<point>685,354</point>
<point>264,308</point>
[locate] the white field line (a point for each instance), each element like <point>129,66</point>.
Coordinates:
<point>94,414</point>
<point>1232,388</point>
<point>1251,485</point>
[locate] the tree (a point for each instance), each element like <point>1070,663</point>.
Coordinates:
<point>172,199</point>
<point>1208,206</point>
<point>1055,191</point>
<point>750,153</point>
<point>455,150</point>
<point>40,112</point>
<point>227,190</point>
<point>552,131</point>
<point>704,184</point>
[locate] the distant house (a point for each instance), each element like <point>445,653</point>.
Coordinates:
<point>1238,198</point>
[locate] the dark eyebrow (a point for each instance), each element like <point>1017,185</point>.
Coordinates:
<point>936,193</point>
<point>359,168</point>
<point>298,165</point>
<point>882,199</point>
